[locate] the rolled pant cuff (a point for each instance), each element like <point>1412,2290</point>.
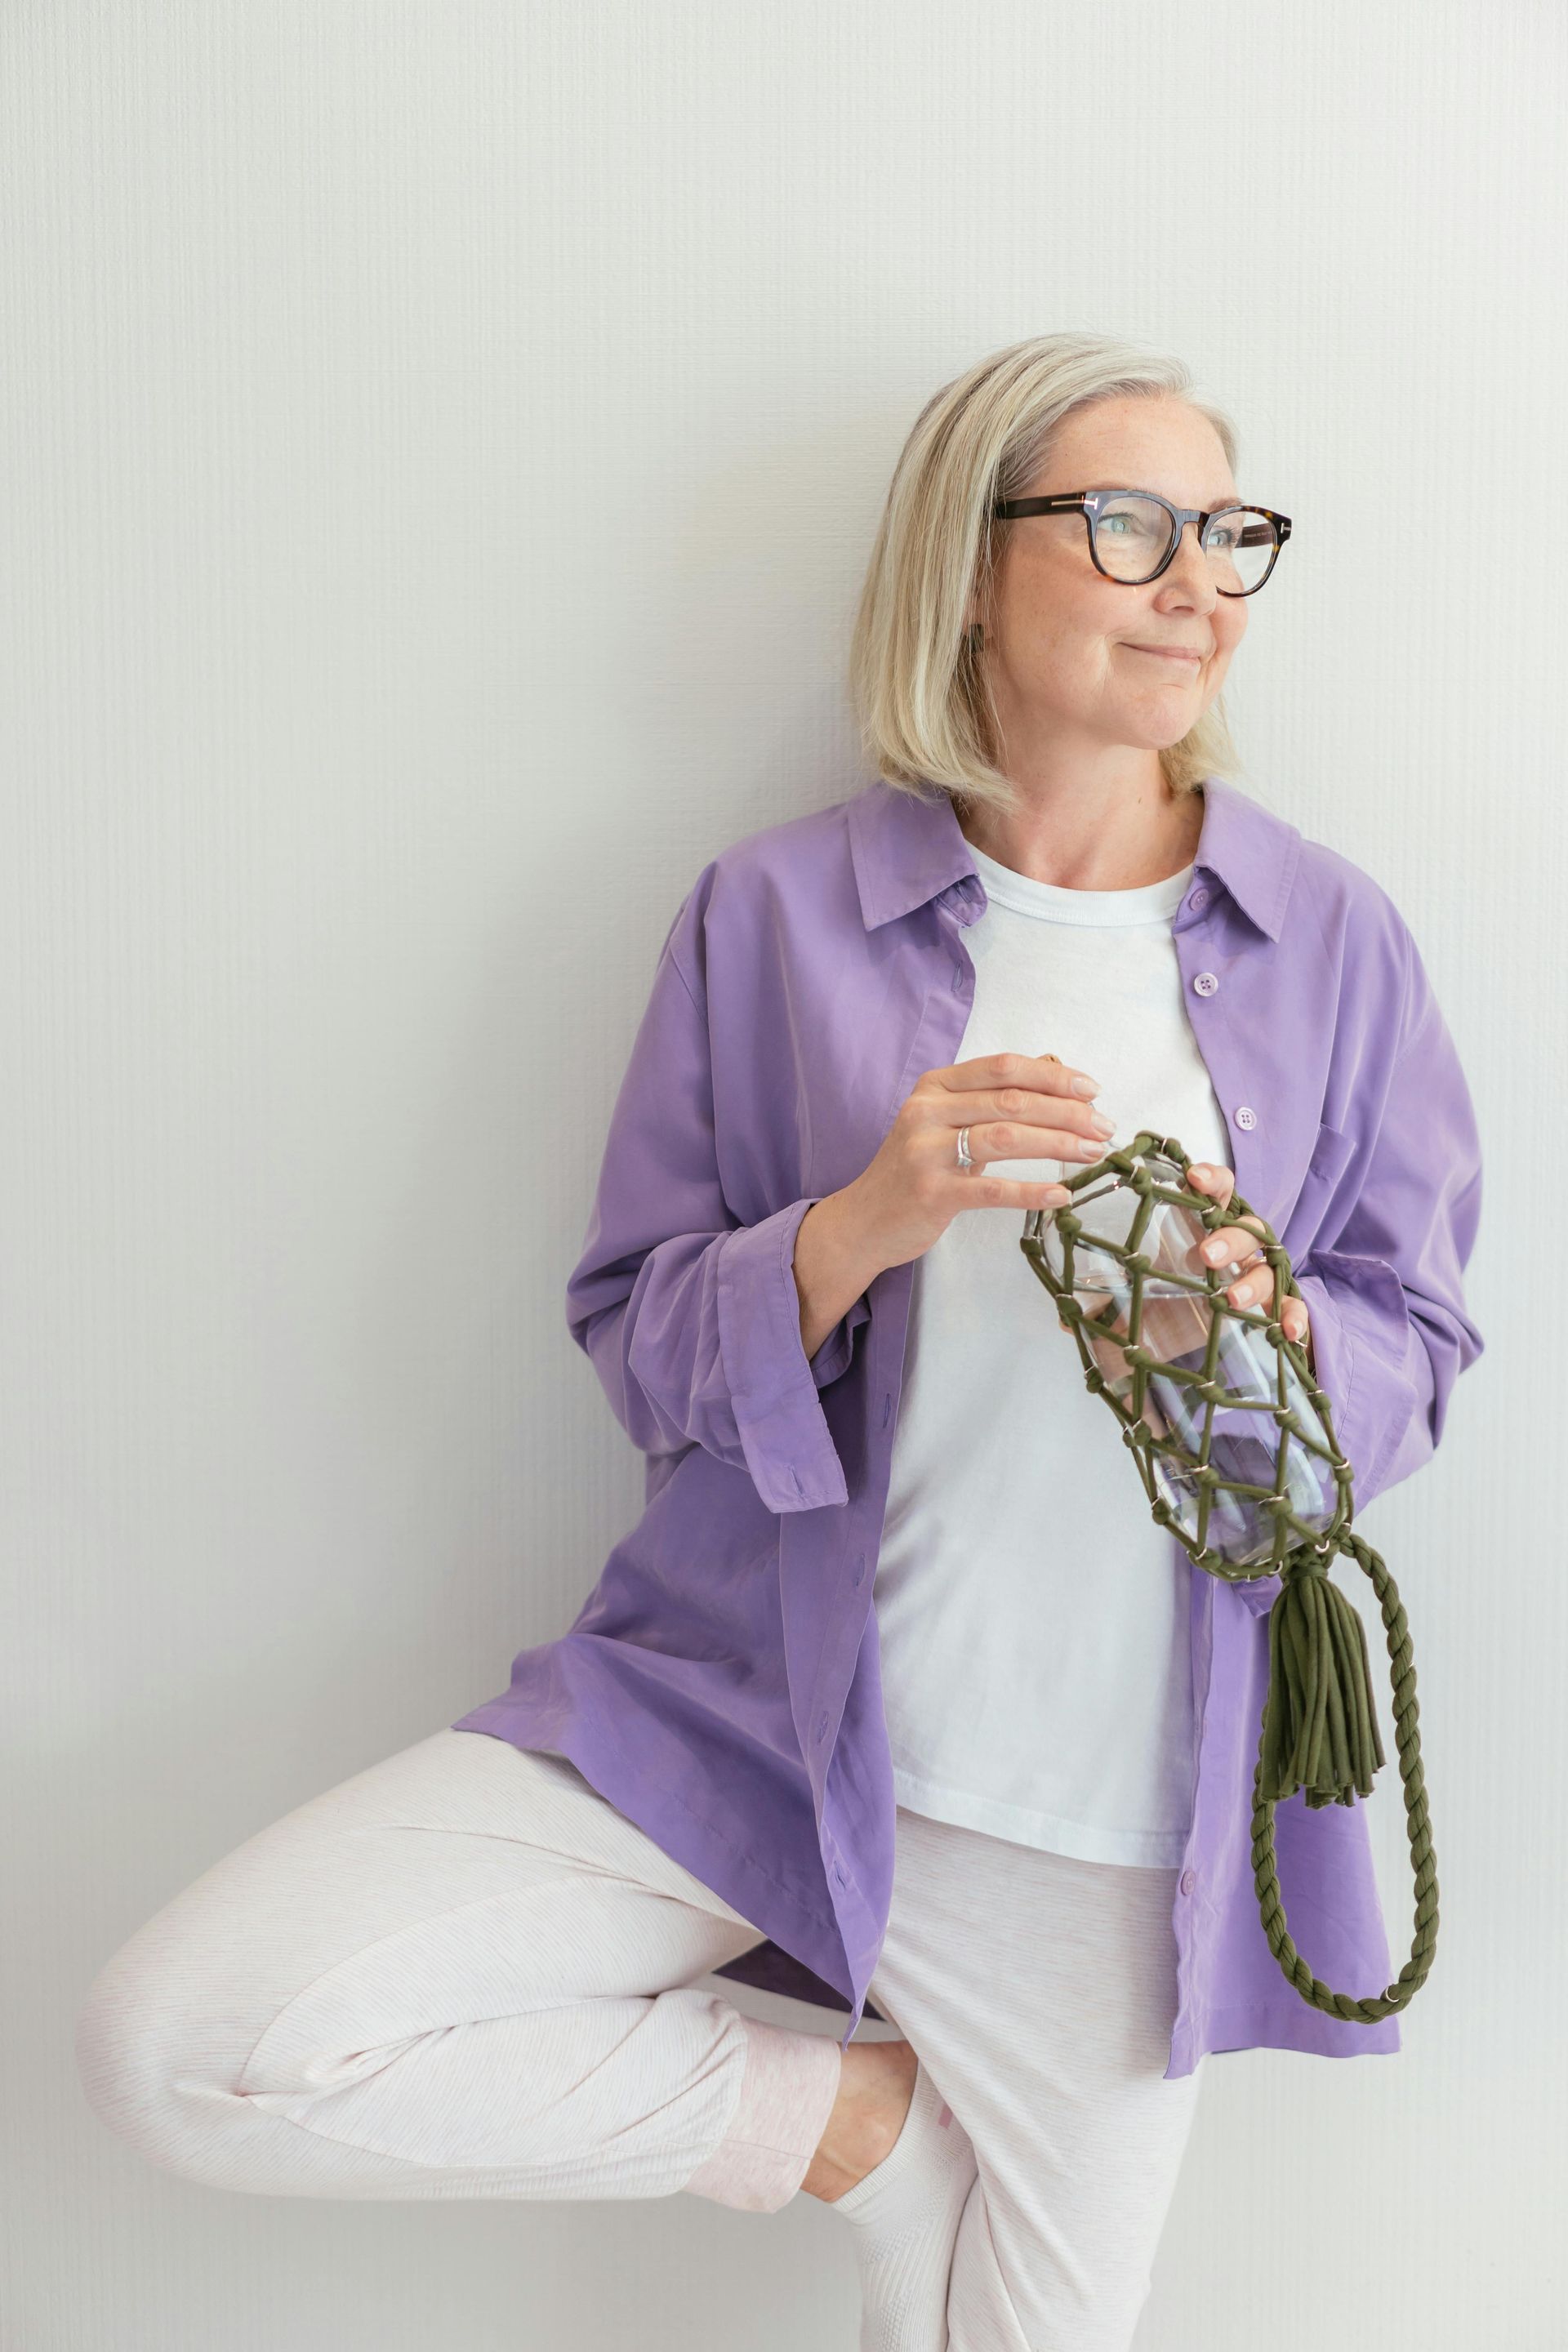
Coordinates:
<point>787,2096</point>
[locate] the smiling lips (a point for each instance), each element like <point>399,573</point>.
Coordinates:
<point>1167,653</point>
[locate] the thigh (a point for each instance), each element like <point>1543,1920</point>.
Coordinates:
<point>1040,1990</point>
<point>459,1819</point>
<point>459,1881</point>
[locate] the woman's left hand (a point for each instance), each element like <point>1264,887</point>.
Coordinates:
<point>1254,1287</point>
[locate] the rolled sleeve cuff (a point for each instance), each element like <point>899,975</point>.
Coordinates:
<point>774,1389</point>
<point>787,2093</point>
<point>834,1355</point>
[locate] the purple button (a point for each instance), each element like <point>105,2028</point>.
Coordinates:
<point>1246,1116</point>
<point>1189,1880</point>
<point>1199,897</point>
<point>1205,983</point>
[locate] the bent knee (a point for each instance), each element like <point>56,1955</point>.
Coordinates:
<point>159,2058</point>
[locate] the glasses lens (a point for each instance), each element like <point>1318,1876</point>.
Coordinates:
<point>1133,534</point>
<point>1240,548</point>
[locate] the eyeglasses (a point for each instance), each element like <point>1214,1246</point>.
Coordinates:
<point>1134,534</point>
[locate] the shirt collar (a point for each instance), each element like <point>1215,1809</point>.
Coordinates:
<point>906,850</point>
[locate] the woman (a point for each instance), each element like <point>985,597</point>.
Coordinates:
<point>1008,1808</point>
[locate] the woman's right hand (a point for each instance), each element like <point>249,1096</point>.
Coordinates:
<point>1016,1107</point>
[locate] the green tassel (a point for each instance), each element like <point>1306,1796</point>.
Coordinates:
<point>1320,1725</point>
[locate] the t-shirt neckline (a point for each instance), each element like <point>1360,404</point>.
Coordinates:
<point>1054,902</point>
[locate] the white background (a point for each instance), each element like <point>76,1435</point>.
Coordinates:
<point>441,446</point>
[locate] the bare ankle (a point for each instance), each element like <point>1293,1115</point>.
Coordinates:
<point>875,2090</point>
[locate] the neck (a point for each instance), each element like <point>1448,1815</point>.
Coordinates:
<point>1086,839</point>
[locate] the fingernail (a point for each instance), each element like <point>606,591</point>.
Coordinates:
<point>1085,1086</point>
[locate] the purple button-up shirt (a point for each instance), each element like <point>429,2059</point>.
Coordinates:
<point>720,1684</point>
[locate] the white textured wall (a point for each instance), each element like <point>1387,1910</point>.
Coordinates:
<point>441,449</point>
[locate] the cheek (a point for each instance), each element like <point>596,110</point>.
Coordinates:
<point>1051,648</point>
<point>1055,620</point>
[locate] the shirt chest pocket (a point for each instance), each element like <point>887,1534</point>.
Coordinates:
<point>1332,1150</point>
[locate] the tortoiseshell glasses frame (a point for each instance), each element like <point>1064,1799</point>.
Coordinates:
<point>1091,503</point>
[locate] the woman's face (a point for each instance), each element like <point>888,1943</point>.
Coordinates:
<point>1060,645</point>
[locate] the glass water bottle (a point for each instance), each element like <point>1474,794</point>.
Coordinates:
<point>1243,1444</point>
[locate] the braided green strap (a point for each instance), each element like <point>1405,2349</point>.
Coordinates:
<point>1320,1728</point>
<point>1316,1720</point>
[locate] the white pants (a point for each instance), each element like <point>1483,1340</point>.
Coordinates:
<point>463,1973</point>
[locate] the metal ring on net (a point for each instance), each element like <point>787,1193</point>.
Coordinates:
<point>1320,1728</point>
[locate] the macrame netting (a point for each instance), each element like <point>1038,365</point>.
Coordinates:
<point>1320,1728</point>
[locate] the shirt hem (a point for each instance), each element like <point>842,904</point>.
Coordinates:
<point>1269,2025</point>
<point>1047,1832</point>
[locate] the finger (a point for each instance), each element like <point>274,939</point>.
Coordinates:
<point>1254,1289</point>
<point>1004,1140</point>
<point>1236,1245</point>
<point>1299,1328</point>
<point>1014,1124</point>
<point>1206,1178</point>
<point>1221,1183</point>
<point>1229,1245</point>
<point>1041,1072</point>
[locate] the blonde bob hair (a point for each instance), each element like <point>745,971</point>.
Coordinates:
<point>925,712</point>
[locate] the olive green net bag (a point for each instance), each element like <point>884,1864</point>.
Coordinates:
<point>1234,1443</point>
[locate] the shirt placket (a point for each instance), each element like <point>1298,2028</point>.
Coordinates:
<point>1209,970</point>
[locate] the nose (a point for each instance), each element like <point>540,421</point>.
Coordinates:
<point>1189,568</point>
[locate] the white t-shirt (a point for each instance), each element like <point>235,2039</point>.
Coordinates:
<point>1033,1619</point>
